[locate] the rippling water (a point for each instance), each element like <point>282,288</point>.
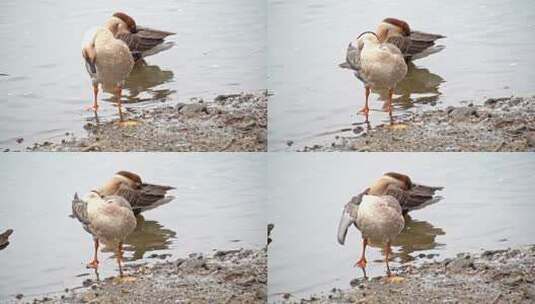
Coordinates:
<point>220,47</point>
<point>217,206</point>
<point>488,53</point>
<point>487,203</point>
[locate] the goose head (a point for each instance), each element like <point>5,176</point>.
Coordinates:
<point>390,27</point>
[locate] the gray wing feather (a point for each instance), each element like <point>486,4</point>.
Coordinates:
<point>144,39</point>
<point>349,216</point>
<point>79,210</point>
<point>148,196</point>
<point>416,198</point>
<point>420,42</point>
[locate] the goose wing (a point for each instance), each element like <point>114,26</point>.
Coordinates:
<point>143,40</point>
<point>416,198</point>
<point>146,197</point>
<point>352,58</point>
<point>422,44</point>
<point>349,216</point>
<point>401,42</point>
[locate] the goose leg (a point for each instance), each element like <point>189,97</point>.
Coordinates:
<point>95,96</point>
<point>389,105</point>
<point>366,109</point>
<point>362,262</point>
<point>118,96</point>
<point>387,253</point>
<point>120,258</point>
<point>94,263</point>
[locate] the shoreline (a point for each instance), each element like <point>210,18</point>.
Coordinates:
<point>491,276</point>
<point>497,125</point>
<point>229,276</point>
<point>232,122</point>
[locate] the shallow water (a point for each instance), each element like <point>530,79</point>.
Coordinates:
<point>488,53</point>
<point>217,206</point>
<point>220,47</point>
<point>487,204</point>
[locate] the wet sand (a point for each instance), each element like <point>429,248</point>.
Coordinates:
<point>227,276</point>
<point>493,276</point>
<point>499,124</point>
<point>236,122</point>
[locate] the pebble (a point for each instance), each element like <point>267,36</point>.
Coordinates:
<point>530,137</point>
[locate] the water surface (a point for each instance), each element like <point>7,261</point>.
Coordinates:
<point>487,204</point>
<point>219,49</point>
<point>488,53</point>
<point>219,205</point>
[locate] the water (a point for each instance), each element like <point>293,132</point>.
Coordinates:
<point>487,203</point>
<point>220,49</point>
<point>219,205</point>
<point>488,53</point>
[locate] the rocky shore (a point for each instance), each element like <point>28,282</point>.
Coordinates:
<point>499,124</point>
<point>236,122</point>
<point>228,276</point>
<point>493,276</point>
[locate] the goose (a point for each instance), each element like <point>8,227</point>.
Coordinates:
<point>377,64</point>
<point>108,219</point>
<point>108,61</point>
<point>142,41</point>
<point>412,44</point>
<point>141,196</point>
<point>378,211</point>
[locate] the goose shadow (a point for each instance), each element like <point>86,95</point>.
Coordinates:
<point>148,236</point>
<point>420,86</point>
<point>418,235</point>
<point>143,85</point>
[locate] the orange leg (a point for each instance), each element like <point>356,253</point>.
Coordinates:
<point>120,258</point>
<point>118,96</point>
<point>95,96</point>
<point>362,262</point>
<point>94,263</point>
<point>366,109</point>
<point>388,250</point>
<point>389,105</point>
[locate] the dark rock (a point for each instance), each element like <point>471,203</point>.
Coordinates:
<point>19,296</point>
<point>289,143</point>
<point>530,137</point>
<point>179,106</point>
<point>225,97</point>
<point>461,263</point>
<point>462,113</point>
<point>179,262</point>
<point>19,140</point>
<point>191,265</point>
<point>193,109</point>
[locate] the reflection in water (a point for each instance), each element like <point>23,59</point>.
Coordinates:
<point>148,236</point>
<point>143,80</point>
<point>420,82</point>
<point>416,236</point>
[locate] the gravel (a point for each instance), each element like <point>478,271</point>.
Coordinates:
<point>235,122</point>
<point>494,276</point>
<point>498,124</point>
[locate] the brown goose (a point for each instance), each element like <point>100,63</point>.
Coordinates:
<point>142,41</point>
<point>140,195</point>
<point>108,62</point>
<point>413,44</point>
<point>378,211</point>
<point>377,64</point>
<point>108,219</point>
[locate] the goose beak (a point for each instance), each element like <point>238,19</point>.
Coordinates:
<point>345,221</point>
